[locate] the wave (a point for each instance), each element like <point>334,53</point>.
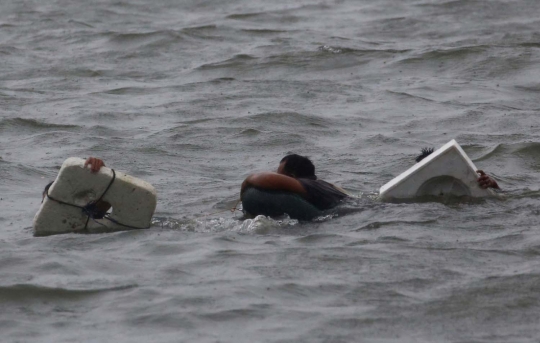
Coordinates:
<point>266,17</point>
<point>288,118</point>
<point>263,32</point>
<point>236,61</point>
<point>129,91</point>
<point>206,32</point>
<point>363,52</point>
<point>525,150</point>
<point>452,4</point>
<point>18,124</point>
<point>28,292</point>
<point>324,58</point>
<point>80,23</point>
<point>534,88</point>
<point>379,224</point>
<point>456,54</point>
<point>410,96</point>
<point>134,37</point>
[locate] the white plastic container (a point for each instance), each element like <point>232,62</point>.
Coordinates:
<point>133,201</point>
<point>447,171</point>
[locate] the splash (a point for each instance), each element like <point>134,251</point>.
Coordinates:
<point>258,225</point>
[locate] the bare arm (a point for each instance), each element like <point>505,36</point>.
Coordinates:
<point>273,182</point>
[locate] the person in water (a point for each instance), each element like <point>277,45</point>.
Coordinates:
<point>296,174</point>
<point>101,207</point>
<point>484,181</point>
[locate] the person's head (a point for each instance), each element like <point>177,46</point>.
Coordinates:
<point>425,153</point>
<point>297,166</point>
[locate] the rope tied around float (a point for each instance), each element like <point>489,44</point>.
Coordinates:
<point>91,210</point>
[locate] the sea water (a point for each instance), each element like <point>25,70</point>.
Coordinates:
<point>193,96</point>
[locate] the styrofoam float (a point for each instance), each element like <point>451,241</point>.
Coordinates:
<point>133,201</point>
<point>446,171</point>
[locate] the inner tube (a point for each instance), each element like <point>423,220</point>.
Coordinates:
<point>272,204</point>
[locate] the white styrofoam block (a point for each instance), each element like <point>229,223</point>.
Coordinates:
<point>446,171</point>
<point>133,201</point>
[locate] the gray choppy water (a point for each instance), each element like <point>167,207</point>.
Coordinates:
<point>193,96</point>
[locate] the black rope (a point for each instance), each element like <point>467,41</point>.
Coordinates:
<point>109,186</point>
<point>124,225</point>
<point>91,210</point>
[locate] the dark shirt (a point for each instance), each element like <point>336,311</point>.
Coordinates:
<point>322,194</point>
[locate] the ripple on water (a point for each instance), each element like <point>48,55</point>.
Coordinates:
<point>258,225</point>
<point>194,97</point>
<point>31,293</point>
<point>16,125</point>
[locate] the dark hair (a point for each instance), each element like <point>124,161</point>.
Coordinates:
<point>299,167</point>
<point>425,153</point>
